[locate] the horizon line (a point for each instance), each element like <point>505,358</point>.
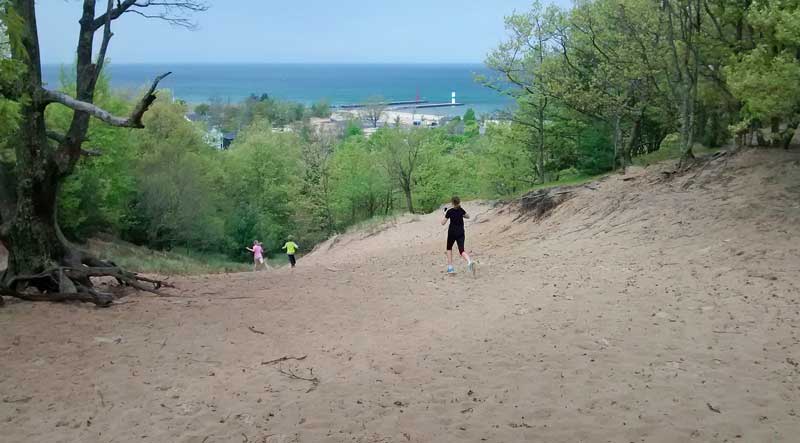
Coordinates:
<point>112,63</point>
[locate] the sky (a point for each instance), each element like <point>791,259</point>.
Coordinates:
<point>299,31</point>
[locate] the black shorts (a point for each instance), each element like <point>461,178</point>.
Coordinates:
<point>455,238</point>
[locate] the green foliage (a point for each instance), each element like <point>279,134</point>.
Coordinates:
<point>595,152</point>
<point>471,125</point>
<point>596,86</point>
<point>203,109</point>
<point>360,187</point>
<point>353,128</point>
<point>176,202</point>
<point>768,84</point>
<point>10,72</point>
<point>96,196</point>
<point>261,183</point>
<point>321,109</point>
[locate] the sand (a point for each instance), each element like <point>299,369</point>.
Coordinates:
<point>643,309</point>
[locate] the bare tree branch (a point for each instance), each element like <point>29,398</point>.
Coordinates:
<point>101,56</point>
<point>132,121</point>
<point>169,11</point>
<point>114,14</point>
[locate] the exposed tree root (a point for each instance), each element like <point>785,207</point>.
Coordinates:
<point>538,204</point>
<point>62,283</point>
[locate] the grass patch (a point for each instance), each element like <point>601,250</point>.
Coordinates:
<point>573,180</point>
<point>372,225</point>
<point>177,262</point>
<point>565,180</point>
<point>670,150</point>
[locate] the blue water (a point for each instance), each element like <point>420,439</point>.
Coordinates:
<point>306,83</point>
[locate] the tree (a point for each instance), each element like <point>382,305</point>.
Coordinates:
<point>175,199</point>
<point>261,185</point>
<point>203,109</point>
<point>314,216</point>
<point>683,24</point>
<point>42,264</point>
<point>611,71</point>
<point>471,125</point>
<point>402,152</point>
<point>766,74</point>
<point>520,63</point>
<point>359,189</point>
<point>373,110</point>
<point>321,109</point>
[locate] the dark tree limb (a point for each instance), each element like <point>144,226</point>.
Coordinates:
<point>89,296</point>
<point>70,283</point>
<point>56,136</point>
<point>132,121</point>
<point>101,57</point>
<point>113,14</point>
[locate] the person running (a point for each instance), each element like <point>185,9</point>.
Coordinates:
<point>258,255</point>
<point>291,247</point>
<point>455,234</point>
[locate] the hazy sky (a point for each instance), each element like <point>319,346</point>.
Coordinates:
<point>324,31</point>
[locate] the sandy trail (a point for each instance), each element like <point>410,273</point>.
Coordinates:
<point>641,310</point>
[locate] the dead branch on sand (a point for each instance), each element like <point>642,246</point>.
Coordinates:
<point>282,359</point>
<point>254,330</point>
<point>314,380</point>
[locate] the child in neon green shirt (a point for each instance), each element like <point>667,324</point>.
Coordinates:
<point>291,247</point>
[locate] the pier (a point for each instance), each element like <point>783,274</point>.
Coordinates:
<point>395,103</point>
<point>430,105</point>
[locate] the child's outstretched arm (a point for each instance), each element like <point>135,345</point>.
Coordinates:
<point>249,249</point>
<point>444,217</point>
<point>466,215</point>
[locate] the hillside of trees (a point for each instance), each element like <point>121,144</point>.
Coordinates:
<point>596,86</point>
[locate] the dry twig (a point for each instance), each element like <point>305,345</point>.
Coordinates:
<point>254,330</point>
<point>284,358</point>
<point>291,374</point>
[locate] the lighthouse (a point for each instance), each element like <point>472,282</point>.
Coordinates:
<point>453,98</point>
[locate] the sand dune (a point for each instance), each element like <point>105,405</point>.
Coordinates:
<point>645,308</point>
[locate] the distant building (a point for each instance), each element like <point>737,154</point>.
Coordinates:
<point>193,117</point>
<point>227,139</point>
<point>213,138</point>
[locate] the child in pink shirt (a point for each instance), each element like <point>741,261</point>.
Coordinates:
<point>258,255</point>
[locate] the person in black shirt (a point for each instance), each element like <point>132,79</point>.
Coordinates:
<point>455,234</point>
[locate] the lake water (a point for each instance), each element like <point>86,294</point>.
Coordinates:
<point>306,83</point>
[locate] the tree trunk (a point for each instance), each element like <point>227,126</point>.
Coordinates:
<point>541,145</point>
<point>632,142</point>
<point>38,254</point>
<point>788,134</point>
<point>687,125</point>
<point>31,234</point>
<point>409,201</point>
<point>617,141</point>
<point>775,136</point>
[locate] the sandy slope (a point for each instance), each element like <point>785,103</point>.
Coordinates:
<point>640,310</point>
